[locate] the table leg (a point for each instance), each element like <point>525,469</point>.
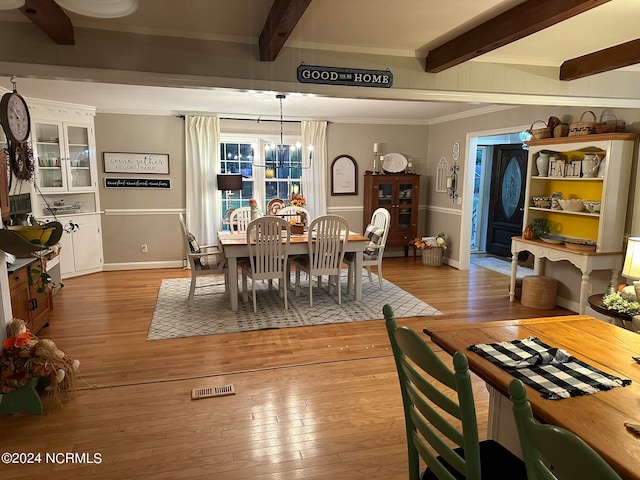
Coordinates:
<point>358,275</point>
<point>233,282</point>
<point>514,273</point>
<point>585,291</point>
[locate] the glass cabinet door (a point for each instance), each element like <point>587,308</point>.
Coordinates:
<point>50,155</point>
<point>405,205</point>
<point>79,166</point>
<point>385,194</point>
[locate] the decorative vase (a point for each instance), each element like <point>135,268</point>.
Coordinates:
<point>255,213</point>
<point>542,163</point>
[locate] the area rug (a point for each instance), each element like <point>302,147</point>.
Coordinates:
<point>210,311</point>
<point>500,266</point>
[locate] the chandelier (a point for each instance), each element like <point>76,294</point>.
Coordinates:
<point>284,156</point>
<point>89,8</point>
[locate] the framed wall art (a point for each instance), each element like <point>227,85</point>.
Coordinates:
<point>123,162</point>
<point>344,176</point>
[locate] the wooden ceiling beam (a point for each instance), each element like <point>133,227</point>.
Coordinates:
<point>281,21</point>
<point>524,19</point>
<point>51,19</point>
<point>610,58</point>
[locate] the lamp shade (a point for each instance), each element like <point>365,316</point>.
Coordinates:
<point>230,182</point>
<point>631,268</point>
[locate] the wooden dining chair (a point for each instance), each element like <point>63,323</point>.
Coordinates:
<point>239,219</point>
<point>551,452</point>
<point>203,260</point>
<point>377,232</point>
<point>439,412</point>
<point>326,241</point>
<point>268,241</point>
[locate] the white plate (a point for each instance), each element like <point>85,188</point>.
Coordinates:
<point>394,163</point>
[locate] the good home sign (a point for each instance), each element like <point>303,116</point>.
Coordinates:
<point>355,77</point>
<point>119,162</point>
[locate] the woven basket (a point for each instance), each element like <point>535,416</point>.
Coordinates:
<point>432,257</point>
<point>583,128</point>
<point>540,133</point>
<point>609,123</point>
<point>539,292</point>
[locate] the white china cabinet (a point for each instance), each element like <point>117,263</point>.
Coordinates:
<point>66,181</point>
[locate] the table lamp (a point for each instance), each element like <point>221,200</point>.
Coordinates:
<point>631,268</point>
<point>230,182</point>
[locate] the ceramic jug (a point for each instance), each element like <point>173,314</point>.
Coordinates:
<point>590,164</point>
<point>542,163</point>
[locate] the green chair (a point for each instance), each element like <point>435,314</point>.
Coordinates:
<point>552,452</point>
<point>440,415</point>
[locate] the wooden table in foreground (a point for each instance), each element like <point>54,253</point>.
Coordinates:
<point>235,246</point>
<point>599,418</point>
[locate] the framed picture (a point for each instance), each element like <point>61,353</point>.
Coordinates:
<point>344,176</point>
<point>122,162</point>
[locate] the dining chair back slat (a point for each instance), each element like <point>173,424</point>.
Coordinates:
<point>239,219</point>
<point>326,241</point>
<point>268,240</point>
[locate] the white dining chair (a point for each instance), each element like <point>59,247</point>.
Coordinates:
<point>326,241</point>
<point>203,260</point>
<point>377,232</point>
<point>239,219</point>
<point>268,244</point>
<point>300,214</point>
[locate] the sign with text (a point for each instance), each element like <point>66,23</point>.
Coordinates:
<point>354,77</point>
<point>137,183</point>
<point>120,162</point>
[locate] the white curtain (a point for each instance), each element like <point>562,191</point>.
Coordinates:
<point>314,179</point>
<point>204,200</point>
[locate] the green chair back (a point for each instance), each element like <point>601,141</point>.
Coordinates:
<point>552,452</point>
<point>434,419</point>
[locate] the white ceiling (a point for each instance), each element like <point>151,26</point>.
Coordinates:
<point>400,27</point>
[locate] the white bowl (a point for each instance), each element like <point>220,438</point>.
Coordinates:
<point>571,204</point>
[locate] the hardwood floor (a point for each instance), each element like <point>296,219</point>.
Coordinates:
<point>317,402</point>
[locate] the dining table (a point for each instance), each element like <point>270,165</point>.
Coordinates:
<point>234,245</point>
<point>599,418</point>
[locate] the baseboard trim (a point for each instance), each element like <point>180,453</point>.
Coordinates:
<point>110,267</point>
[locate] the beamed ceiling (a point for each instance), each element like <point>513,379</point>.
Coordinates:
<point>508,26</point>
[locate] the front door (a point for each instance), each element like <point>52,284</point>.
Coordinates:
<point>508,177</point>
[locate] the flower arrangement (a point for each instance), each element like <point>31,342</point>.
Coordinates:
<point>297,200</point>
<point>429,242</point>
<point>253,202</point>
<point>616,302</point>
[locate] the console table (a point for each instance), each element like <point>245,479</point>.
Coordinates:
<point>586,262</point>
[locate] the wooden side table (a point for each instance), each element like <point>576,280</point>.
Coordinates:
<point>595,302</point>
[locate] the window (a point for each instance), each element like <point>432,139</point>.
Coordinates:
<point>263,183</point>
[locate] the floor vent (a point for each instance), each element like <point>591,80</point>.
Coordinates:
<point>207,392</point>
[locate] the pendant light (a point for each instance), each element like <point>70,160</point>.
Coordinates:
<point>275,156</point>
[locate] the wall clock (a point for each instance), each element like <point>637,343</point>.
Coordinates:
<point>455,151</point>
<point>14,117</point>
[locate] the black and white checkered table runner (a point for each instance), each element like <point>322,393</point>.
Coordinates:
<point>551,371</point>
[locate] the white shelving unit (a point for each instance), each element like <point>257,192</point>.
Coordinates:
<point>606,229</point>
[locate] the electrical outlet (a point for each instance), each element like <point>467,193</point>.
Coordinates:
<point>143,248</point>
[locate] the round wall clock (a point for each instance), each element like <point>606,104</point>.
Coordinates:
<point>14,117</point>
<point>455,151</point>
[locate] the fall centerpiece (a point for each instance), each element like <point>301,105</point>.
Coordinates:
<point>432,248</point>
<point>297,227</point>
